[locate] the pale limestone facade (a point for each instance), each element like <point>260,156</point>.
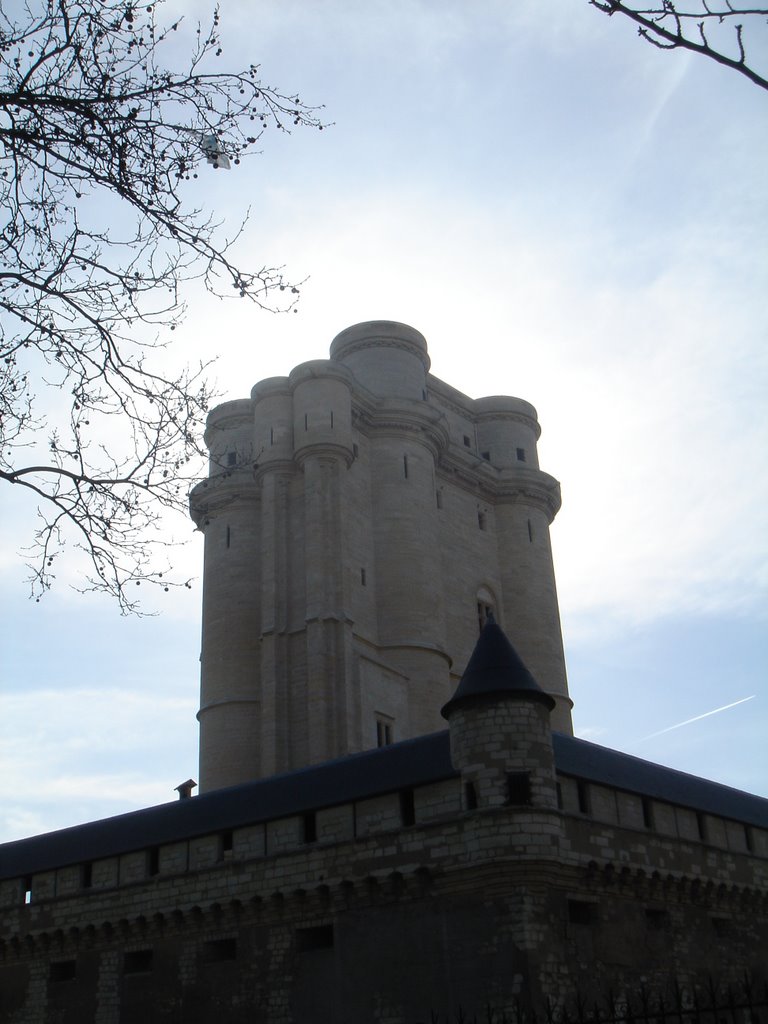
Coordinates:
<point>359,517</point>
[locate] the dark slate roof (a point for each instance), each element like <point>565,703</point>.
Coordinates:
<point>495,670</point>
<point>608,767</point>
<point>385,770</point>
<point>410,763</point>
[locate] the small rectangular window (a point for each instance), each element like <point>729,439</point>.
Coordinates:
<point>439,498</point>
<point>309,827</point>
<point>486,456</point>
<point>582,912</point>
<point>559,790</point>
<point>217,951</point>
<point>86,875</point>
<point>355,450</point>
<point>481,520</point>
<point>521,454</point>
<point>138,961</point>
<point>320,936</point>
<point>62,970</point>
<point>519,789</point>
<point>470,796</point>
<point>748,839</point>
<point>231,458</point>
<point>407,807</point>
<point>656,919</point>
<point>467,441</point>
<point>27,889</point>
<point>362,577</point>
<point>701,825</point>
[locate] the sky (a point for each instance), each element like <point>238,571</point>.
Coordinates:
<point>568,215</point>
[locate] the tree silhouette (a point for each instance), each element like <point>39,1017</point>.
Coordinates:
<point>99,136</point>
<point>718,29</point>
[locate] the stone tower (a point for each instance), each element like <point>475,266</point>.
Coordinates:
<point>362,519</point>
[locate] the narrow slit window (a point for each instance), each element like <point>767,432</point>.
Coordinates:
<point>86,875</point>
<point>530,531</point>
<point>362,577</point>
<point>470,796</point>
<point>439,498</point>
<point>647,813</point>
<point>407,807</point>
<point>331,419</point>
<point>384,731</point>
<point>153,861</point>
<point>355,450</point>
<point>227,842</point>
<point>481,520</point>
<point>27,889</point>
<point>701,825</point>
<point>467,441</point>
<point>229,536</point>
<point>405,466</point>
<point>309,827</point>
<point>306,421</point>
<point>582,793</point>
<point>271,435</point>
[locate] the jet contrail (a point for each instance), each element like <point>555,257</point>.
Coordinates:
<point>697,717</point>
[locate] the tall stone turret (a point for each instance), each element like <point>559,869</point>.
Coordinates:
<point>361,519</point>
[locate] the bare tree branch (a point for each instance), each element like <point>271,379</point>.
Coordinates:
<point>704,28</point>
<point>99,133</point>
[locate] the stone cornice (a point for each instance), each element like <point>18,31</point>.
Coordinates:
<point>221,491</point>
<point>497,487</point>
<point>324,450</point>
<point>393,418</point>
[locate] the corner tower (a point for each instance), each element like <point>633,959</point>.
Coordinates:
<point>361,520</point>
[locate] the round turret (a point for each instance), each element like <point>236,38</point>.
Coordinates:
<point>388,358</point>
<point>507,431</point>
<point>322,408</point>
<point>229,436</point>
<point>272,421</point>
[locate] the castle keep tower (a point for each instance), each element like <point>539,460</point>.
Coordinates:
<point>362,519</point>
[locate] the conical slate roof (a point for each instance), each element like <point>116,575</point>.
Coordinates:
<point>496,670</point>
